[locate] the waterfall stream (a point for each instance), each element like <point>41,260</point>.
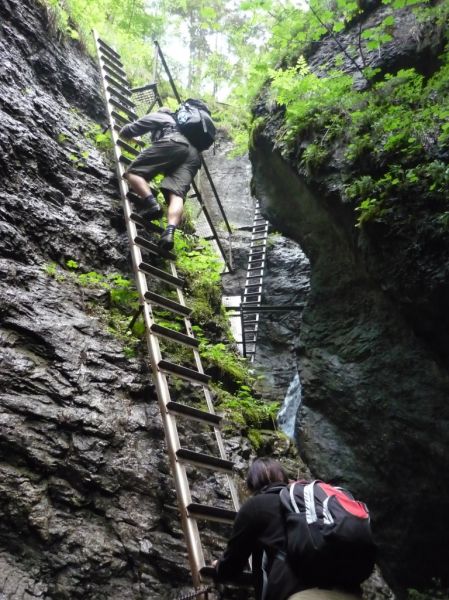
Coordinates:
<point>287,415</point>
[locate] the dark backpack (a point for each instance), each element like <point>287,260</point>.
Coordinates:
<point>194,121</point>
<point>329,535</point>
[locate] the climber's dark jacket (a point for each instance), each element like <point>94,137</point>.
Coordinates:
<point>259,526</point>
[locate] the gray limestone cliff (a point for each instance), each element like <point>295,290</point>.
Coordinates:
<point>373,343</point>
<point>87,502</point>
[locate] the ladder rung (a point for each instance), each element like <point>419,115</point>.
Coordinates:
<point>122,80</point>
<point>255,277</point>
<point>154,248</point>
<point>193,413</point>
<point>120,118</point>
<point>128,112</point>
<point>125,160</point>
<point>127,147</point>
<point>162,275</point>
<point>108,54</point>
<point>175,336</point>
<point>122,89</point>
<point>113,67</point>
<point>205,460</point>
<point>121,98</point>
<point>211,513</point>
<point>259,228</point>
<point>183,372</point>
<point>108,47</point>
<point>259,238</point>
<point>145,223</point>
<point>175,307</point>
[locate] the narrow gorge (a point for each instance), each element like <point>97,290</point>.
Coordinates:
<point>88,509</point>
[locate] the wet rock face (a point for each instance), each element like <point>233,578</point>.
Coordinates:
<point>372,361</point>
<point>87,505</point>
<point>286,286</point>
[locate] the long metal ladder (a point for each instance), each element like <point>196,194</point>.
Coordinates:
<point>120,111</point>
<point>252,293</point>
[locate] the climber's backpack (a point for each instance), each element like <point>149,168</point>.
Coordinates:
<point>194,121</point>
<point>329,539</point>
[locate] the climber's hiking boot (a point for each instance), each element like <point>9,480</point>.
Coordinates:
<point>152,213</point>
<point>167,239</point>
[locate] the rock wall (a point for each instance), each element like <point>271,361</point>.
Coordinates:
<point>87,503</point>
<point>372,357</point>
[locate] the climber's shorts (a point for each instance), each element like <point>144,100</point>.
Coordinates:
<point>179,161</point>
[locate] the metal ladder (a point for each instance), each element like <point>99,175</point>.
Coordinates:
<point>252,293</point>
<point>118,102</point>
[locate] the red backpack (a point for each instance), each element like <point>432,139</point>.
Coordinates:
<point>329,539</point>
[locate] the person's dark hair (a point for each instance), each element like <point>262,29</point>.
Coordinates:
<point>264,471</point>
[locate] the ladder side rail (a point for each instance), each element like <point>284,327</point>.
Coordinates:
<point>214,191</point>
<point>212,226</point>
<point>190,526</point>
<point>258,246</point>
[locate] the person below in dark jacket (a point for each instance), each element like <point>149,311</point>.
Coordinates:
<point>170,154</point>
<point>259,530</point>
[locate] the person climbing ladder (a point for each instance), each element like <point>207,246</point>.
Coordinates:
<point>173,155</point>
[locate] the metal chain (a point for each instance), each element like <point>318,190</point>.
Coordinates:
<point>196,593</point>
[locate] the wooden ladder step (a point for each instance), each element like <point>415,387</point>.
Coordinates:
<point>127,102</point>
<point>108,54</point>
<point>171,305</point>
<point>194,414</point>
<point>122,80</point>
<point>175,336</point>
<point>162,275</point>
<point>132,115</point>
<point>121,120</point>
<point>254,277</point>
<point>154,248</point>
<point>112,66</point>
<point>205,460</point>
<point>121,88</point>
<point>145,223</point>
<point>255,269</point>
<point>211,513</point>
<point>183,372</point>
<point>108,47</point>
<point>128,147</point>
<point>253,289</point>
